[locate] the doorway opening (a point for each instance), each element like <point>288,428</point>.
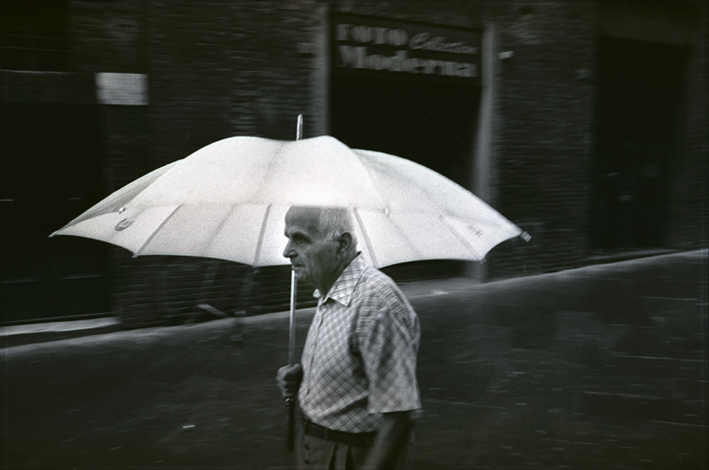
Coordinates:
<point>50,172</point>
<point>430,123</point>
<point>640,90</point>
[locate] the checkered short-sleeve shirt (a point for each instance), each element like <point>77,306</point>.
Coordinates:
<point>359,358</point>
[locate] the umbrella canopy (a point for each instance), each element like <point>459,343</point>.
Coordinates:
<point>228,201</point>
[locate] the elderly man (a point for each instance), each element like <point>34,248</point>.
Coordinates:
<point>357,383</point>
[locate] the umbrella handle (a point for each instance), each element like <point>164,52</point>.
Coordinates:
<point>290,424</point>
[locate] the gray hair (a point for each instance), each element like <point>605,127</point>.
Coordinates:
<point>334,221</point>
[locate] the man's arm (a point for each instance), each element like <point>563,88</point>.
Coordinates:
<point>391,440</point>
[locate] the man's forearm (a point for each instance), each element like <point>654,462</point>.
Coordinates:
<point>392,438</point>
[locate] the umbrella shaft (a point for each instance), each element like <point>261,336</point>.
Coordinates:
<point>291,329</point>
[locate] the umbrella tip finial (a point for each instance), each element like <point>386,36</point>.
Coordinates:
<point>299,128</point>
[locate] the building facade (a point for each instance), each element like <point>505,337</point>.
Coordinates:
<point>582,122</point>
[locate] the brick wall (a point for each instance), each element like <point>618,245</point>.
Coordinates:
<point>222,68</point>
<point>215,69</point>
<point>543,132</point>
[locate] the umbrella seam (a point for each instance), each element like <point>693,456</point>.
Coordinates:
<point>403,235</point>
<point>261,235</point>
<point>366,237</point>
<point>460,238</point>
<point>155,232</point>
<point>359,153</point>
<point>95,211</point>
<point>271,163</point>
<point>219,229</point>
<point>408,240</point>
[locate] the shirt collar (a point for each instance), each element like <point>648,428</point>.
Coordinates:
<point>343,288</point>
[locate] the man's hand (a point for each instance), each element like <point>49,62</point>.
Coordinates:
<point>288,379</point>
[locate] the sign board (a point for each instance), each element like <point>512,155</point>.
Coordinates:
<point>127,89</point>
<point>363,46</point>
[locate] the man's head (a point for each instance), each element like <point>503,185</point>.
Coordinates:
<point>321,243</point>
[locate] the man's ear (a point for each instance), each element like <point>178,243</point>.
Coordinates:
<point>344,243</point>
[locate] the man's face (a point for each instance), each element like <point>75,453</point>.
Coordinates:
<point>314,259</point>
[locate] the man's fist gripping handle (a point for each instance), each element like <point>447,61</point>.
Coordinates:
<point>288,379</point>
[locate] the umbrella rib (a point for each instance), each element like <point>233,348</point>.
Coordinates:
<point>121,198</point>
<point>366,237</point>
<point>152,235</point>
<point>366,171</point>
<point>261,235</point>
<point>218,230</point>
<point>462,240</point>
<point>269,171</point>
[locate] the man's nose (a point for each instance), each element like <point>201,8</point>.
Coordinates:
<point>288,252</point>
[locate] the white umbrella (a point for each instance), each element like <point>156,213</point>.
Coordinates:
<point>228,201</point>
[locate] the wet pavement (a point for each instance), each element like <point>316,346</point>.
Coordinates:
<point>600,367</point>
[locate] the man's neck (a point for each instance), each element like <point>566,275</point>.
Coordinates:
<point>325,288</point>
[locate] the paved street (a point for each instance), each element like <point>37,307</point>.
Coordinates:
<point>600,367</point>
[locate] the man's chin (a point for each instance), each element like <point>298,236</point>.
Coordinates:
<point>300,273</point>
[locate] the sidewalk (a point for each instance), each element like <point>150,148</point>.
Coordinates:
<point>30,333</point>
<point>53,331</point>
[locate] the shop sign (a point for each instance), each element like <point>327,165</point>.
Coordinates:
<point>378,47</point>
<point>128,89</point>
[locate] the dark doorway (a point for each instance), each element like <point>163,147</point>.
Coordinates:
<point>428,122</point>
<point>34,35</point>
<point>50,172</point>
<point>637,125</point>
